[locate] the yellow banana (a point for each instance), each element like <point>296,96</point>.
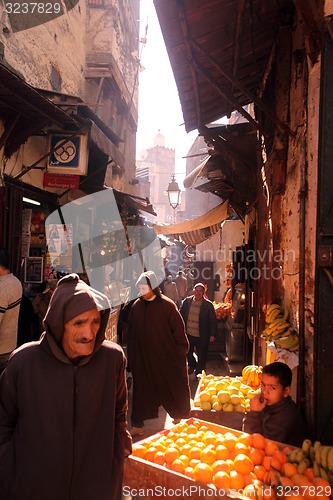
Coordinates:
<point>306,446</point>
<point>316,469</point>
<point>271,308</point>
<point>273,315</point>
<point>323,473</point>
<point>323,456</point>
<point>330,460</point>
<point>303,465</point>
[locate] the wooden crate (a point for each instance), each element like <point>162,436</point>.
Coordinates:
<point>233,419</point>
<point>150,480</point>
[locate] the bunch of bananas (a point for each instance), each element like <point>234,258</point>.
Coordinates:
<point>315,455</point>
<point>251,375</point>
<point>278,330</point>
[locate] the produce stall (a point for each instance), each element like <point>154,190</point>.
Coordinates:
<point>198,459</point>
<point>224,399</point>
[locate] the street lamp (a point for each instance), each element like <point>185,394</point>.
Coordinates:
<point>174,194</point>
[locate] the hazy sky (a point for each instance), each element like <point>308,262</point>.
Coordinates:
<point>159,105</point>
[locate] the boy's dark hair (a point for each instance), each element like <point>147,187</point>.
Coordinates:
<point>4,258</point>
<point>281,371</point>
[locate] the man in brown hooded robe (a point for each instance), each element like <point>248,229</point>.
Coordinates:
<point>63,404</point>
<point>156,348</point>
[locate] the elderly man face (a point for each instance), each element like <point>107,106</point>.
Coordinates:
<point>80,333</point>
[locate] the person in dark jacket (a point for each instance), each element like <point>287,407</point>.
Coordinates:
<point>63,404</point>
<point>156,349</point>
<point>273,413</point>
<point>201,327</point>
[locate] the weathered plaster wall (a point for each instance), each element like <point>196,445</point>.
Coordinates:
<point>112,44</point>
<point>59,43</point>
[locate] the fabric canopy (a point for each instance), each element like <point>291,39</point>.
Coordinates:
<point>192,176</point>
<point>197,230</point>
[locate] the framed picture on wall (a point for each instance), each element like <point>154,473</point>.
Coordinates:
<point>33,269</point>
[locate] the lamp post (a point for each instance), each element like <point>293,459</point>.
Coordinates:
<point>174,194</point>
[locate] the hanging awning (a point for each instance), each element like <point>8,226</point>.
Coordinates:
<point>24,111</point>
<point>197,230</point>
<point>193,176</point>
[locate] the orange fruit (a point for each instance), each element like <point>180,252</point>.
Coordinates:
<point>289,469</point>
<point>270,447</point>
<point>178,466</point>
<point>254,490</point>
<point>249,478</point>
<point>150,453</point>
<point>236,480</point>
<point>245,439</point>
<point>309,473</point>
<point>184,459</point>
<point>256,455</point>
<point>243,464</point>
<point>266,462</point>
<point>203,472</point>
<point>280,455</point>
<point>195,452</point>
<point>322,487</point>
<point>159,458</point>
<point>222,452</point>
<point>186,449</point>
<point>192,463</point>
<point>188,472</point>
<point>239,448</point>
<point>286,481</point>
<point>300,480</point>
<point>171,454</point>
<point>208,456</point>
<point>258,441</point>
<point>180,442</point>
<point>221,480</point>
<point>221,465</point>
<point>276,464</point>
<point>209,438</point>
<point>230,441</point>
<point>139,450</point>
<point>259,471</point>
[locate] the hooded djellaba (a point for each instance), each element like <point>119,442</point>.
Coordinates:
<point>157,348</point>
<point>63,424</point>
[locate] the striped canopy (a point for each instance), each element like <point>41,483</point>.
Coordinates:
<point>195,231</point>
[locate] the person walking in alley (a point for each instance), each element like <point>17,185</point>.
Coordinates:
<point>63,404</point>
<point>181,283</point>
<point>156,349</point>
<point>170,290</point>
<point>201,327</point>
<point>10,300</point>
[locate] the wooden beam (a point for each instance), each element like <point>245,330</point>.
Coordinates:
<point>189,52</point>
<point>312,14</point>
<point>236,83</point>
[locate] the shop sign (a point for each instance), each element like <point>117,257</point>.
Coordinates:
<point>69,154</point>
<point>61,181</point>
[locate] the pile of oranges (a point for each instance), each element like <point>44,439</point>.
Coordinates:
<point>229,461</point>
